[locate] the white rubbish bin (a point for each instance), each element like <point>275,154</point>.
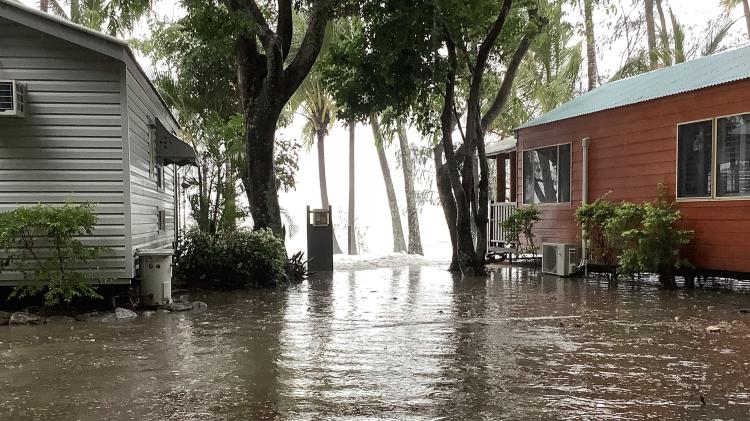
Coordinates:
<point>155,268</point>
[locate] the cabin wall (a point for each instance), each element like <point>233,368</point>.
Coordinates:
<point>68,146</point>
<point>145,198</point>
<point>633,149</point>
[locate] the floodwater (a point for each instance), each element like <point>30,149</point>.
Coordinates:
<point>412,343</point>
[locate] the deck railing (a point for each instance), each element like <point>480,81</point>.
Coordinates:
<point>499,212</point>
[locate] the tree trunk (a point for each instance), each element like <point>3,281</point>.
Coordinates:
<point>593,73</point>
<point>746,8</point>
<point>324,183</point>
<point>466,255</point>
<point>44,6</point>
<point>398,232</point>
<point>75,11</point>
<point>664,34</point>
<point>653,58</point>
<point>447,202</point>
<point>412,213</point>
<point>261,186</point>
<point>351,231</point>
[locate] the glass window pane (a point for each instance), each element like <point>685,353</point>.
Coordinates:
<point>545,175</point>
<point>528,178</point>
<point>733,156</point>
<point>694,159</point>
<point>564,168</point>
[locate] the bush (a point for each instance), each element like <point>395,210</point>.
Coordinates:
<point>651,241</point>
<point>40,242</point>
<point>593,217</point>
<point>521,223</point>
<point>231,260</point>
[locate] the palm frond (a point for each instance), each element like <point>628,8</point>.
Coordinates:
<point>716,36</point>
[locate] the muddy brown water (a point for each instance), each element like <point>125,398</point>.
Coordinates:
<point>411,343</point>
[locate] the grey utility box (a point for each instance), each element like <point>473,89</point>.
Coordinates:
<point>319,240</point>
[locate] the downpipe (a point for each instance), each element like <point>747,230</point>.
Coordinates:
<point>585,199</point>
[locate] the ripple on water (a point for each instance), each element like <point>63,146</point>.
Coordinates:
<point>408,343</point>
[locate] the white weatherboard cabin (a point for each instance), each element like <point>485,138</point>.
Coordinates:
<point>80,121</point>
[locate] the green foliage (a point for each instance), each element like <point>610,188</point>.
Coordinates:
<point>231,260</point>
<point>41,242</point>
<point>651,240</point>
<point>593,217</point>
<point>521,223</point>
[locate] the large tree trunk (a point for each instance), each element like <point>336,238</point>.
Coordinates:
<point>653,58</point>
<point>746,8</point>
<point>593,73</point>
<point>465,244</point>
<point>324,181</point>
<point>398,232</point>
<point>262,191</point>
<point>265,82</point>
<point>412,213</point>
<point>447,202</point>
<point>351,231</point>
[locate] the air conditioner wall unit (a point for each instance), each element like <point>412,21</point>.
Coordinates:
<point>560,259</point>
<point>12,98</point>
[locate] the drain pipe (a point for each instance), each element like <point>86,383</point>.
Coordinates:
<point>585,194</point>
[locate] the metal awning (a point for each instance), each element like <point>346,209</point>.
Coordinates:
<point>501,146</point>
<point>170,149</point>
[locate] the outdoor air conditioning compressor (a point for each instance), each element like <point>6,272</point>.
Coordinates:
<point>560,259</point>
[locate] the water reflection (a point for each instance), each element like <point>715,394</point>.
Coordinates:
<point>405,343</point>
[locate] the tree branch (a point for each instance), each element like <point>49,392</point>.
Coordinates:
<point>264,31</point>
<point>489,40</point>
<point>510,74</point>
<point>309,49</point>
<point>285,26</point>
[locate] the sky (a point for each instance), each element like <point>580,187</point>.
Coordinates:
<point>372,213</point>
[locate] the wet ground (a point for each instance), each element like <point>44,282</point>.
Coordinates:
<point>411,343</point>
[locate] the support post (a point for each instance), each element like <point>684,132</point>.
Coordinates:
<point>513,176</point>
<point>500,164</point>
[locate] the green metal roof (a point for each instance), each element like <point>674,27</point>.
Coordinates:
<point>500,146</point>
<point>696,74</point>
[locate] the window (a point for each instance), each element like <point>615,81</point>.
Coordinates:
<point>159,176</point>
<point>546,175</point>
<point>725,141</point>
<point>694,145</point>
<point>733,156</point>
<point>151,148</point>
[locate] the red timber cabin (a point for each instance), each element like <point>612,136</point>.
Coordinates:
<point>686,126</point>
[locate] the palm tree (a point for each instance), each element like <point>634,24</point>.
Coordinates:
<point>729,5</point>
<point>398,232</point>
<point>412,213</point>
<point>351,230</point>
<point>319,110</point>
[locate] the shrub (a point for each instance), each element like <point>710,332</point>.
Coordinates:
<point>651,239</point>
<point>521,223</point>
<point>593,217</point>
<point>40,242</point>
<point>231,260</point>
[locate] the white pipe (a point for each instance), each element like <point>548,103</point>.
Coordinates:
<point>584,189</point>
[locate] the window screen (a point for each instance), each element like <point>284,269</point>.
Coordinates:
<point>694,159</point>
<point>733,156</point>
<point>546,175</point>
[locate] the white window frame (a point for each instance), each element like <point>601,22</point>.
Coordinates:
<point>570,175</point>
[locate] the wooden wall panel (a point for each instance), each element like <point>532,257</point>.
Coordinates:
<point>632,150</point>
